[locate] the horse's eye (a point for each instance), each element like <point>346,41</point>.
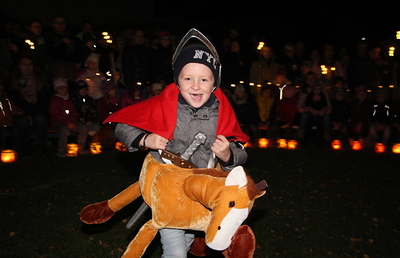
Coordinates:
<point>231,204</point>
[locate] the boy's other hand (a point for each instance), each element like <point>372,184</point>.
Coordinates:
<point>221,148</point>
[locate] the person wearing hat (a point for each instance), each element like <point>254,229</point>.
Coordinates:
<point>65,118</point>
<point>170,121</point>
<point>92,75</point>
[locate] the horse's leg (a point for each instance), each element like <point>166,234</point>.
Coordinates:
<point>125,197</point>
<point>142,240</point>
<point>243,244</point>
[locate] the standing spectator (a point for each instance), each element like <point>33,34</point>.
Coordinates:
<point>64,50</point>
<point>137,60</point>
<point>375,72</point>
<point>163,55</point>
<point>65,118</point>
<point>38,51</point>
<point>235,65</point>
<point>330,62</point>
<point>264,69</point>
<point>30,92</point>
<point>92,76</point>
<point>288,60</point>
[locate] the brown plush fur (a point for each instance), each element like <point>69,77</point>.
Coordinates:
<point>179,198</point>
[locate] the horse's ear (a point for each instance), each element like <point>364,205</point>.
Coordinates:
<point>237,176</point>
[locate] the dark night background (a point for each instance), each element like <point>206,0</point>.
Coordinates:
<point>338,22</point>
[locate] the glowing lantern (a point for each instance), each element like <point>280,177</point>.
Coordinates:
<point>282,143</point>
<point>263,143</point>
<point>8,156</point>
<point>95,148</point>
<point>356,145</point>
<point>336,145</point>
<point>379,147</point>
<point>120,147</point>
<point>292,144</point>
<point>396,148</point>
<point>72,149</point>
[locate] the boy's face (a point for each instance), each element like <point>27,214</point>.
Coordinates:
<point>196,83</point>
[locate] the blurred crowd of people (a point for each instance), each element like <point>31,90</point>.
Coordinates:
<point>71,81</point>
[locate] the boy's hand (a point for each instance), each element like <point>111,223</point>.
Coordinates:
<point>154,141</point>
<point>221,148</point>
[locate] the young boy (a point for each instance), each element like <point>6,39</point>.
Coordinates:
<point>65,118</point>
<point>169,121</point>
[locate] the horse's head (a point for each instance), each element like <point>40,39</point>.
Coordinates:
<point>230,205</point>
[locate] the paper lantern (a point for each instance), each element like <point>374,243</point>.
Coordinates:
<point>263,143</point>
<point>396,148</point>
<point>292,144</point>
<point>282,143</point>
<point>379,147</point>
<point>72,149</point>
<point>356,145</point>
<point>336,145</point>
<point>120,147</point>
<point>8,156</point>
<point>95,148</point>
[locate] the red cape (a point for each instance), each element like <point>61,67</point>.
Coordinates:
<point>158,115</point>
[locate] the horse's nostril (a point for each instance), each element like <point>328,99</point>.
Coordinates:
<point>219,227</point>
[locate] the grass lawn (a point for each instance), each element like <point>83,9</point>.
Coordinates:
<point>318,204</point>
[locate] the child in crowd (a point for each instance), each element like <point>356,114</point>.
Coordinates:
<point>286,110</point>
<point>106,106</point>
<point>131,96</point>
<point>86,107</point>
<point>339,115</point>
<point>92,75</point>
<point>65,118</point>
<point>7,129</point>
<point>317,109</point>
<point>169,121</point>
<point>246,110</point>
<point>266,110</point>
<point>381,120</point>
<point>360,115</point>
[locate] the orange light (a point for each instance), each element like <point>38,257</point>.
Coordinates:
<point>379,147</point>
<point>8,156</point>
<point>396,148</point>
<point>263,143</point>
<point>120,147</point>
<point>336,145</point>
<point>72,149</point>
<point>282,143</point>
<point>356,145</point>
<point>292,144</point>
<point>95,148</point>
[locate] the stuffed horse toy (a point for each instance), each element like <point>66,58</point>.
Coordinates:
<point>209,200</point>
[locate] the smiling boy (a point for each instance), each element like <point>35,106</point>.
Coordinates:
<point>170,121</point>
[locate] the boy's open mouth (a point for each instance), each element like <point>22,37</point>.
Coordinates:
<point>196,96</point>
